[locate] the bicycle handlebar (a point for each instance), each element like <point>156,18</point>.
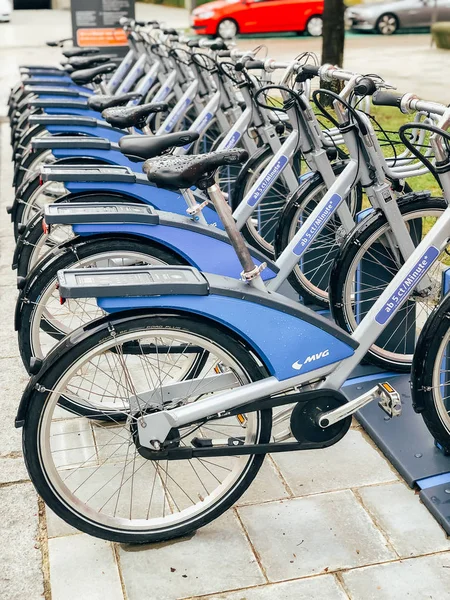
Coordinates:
<point>382,98</point>
<point>311,70</point>
<point>254,64</point>
<point>407,103</point>
<point>56,43</point>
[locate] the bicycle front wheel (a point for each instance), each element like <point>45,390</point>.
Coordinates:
<point>430,379</point>
<point>260,228</point>
<point>310,277</point>
<point>366,264</point>
<point>93,475</point>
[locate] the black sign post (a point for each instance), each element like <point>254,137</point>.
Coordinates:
<point>96,23</point>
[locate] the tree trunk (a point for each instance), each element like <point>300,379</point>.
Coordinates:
<point>333,38</point>
<point>333,32</point>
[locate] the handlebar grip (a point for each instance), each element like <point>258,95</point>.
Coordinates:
<point>218,45</point>
<point>381,98</point>
<point>55,43</point>
<point>224,53</point>
<point>311,70</point>
<point>170,31</point>
<point>242,64</point>
<point>365,87</point>
<point>254,64</point>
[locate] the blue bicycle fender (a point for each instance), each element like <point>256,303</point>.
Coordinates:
<point>84,112</point>
<point>208,253</point>
<point>50,96</point>
<point>96,131</point>
<point>287,344</point>
<point>159,198</point>
<point>48,78</point>
<point>73,87</point>
<point>112,157</point>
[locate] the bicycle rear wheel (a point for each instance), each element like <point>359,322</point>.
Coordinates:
<point>93,474</point>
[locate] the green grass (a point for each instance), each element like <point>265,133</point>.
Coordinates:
<point>391,119</point>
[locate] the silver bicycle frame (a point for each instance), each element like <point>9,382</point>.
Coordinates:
<point>136,72</point>
<point>156,426</point>
<point>120,72</point>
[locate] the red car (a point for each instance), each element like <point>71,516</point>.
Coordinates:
<point>226,18</point>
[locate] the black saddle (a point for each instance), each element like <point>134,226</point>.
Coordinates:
<point>103,101</point>
<point>88,75</point>
<point>86,62</point>
<point>182,172</point>
<point>143,147</point>
<point>70,52</point>
<point>132,116</point>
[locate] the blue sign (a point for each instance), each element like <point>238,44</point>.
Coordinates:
<point>319,222</point>
<point>408,284</point>
<point>271,176</point>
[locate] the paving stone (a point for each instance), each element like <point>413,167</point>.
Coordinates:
<point>20,557</point>
<point>83,567</point>
<point>424,578</point>
<point>56,527</point>
<point>351,462</point>
<point>13,470</point>
<point>266,486</point>
<point>314,588</point>
<point>7,275</point>
<point>13,379</point>
<point>308,536</point>
<point>217,558</point>
<point>404,519</point>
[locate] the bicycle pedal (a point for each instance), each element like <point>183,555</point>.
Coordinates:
<point>389,400</point>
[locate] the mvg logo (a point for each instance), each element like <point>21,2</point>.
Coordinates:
<point>298,365</point>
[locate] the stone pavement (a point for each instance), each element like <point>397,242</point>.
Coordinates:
<point>334,524</point>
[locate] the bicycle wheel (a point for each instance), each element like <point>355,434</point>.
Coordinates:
<point>260,229</point>
<point>310,278</point>
<point>207,139</point>
<point>30,165</point>
<point>44,320</point>
<point>364,267</point>
<point>93,475</point>
<point>430,380</point>
<point>226,175</point>
<point>37,243</point>
<point>33,198</point>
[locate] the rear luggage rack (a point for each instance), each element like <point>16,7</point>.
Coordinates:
<point>71,173</point>
<point>131,281</point>
<point>99,212</point>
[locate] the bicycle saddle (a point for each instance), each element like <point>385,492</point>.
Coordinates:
<point>88,75</point>
<point>132,116</point>
<point>70,52</point>
<point>182,172</point>
<point>86,62</point>
<point>104,101</point>
<point>143,147</point>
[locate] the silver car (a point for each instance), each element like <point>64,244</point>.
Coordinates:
<point>387,17</point>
